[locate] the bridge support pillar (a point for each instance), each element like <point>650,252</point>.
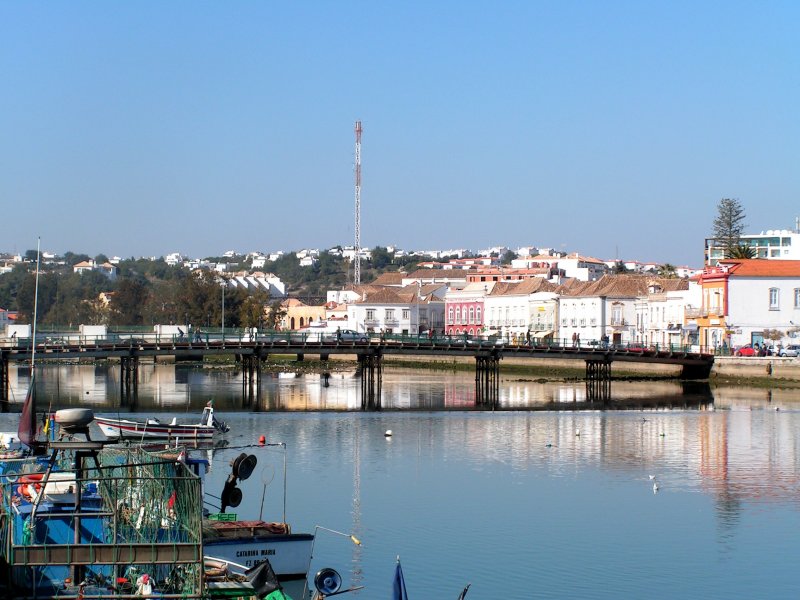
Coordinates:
<point>487,380</point>
<point>702,371</point>
<point>598,380</point>
<point>370,366</point>
<point>251,377</point>
<point>129,380</point>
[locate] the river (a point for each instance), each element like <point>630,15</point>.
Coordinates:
<point>520,502</point>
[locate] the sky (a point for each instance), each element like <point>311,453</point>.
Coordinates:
<point>611,129</point>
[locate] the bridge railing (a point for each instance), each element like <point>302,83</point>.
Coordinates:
<point>135,337</point>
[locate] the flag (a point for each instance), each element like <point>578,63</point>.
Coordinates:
<point>400,592</point>
<point>464,593</point>
<point>263,579</point>
<point>27,420</point>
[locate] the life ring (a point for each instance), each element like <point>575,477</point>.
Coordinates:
<point>30,485</point>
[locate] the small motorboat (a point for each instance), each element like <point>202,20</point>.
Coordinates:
<point>152,428</point>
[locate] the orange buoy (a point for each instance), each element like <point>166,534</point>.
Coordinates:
<point>262,440</point>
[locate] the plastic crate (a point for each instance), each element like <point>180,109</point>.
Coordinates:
<point>222,517</point>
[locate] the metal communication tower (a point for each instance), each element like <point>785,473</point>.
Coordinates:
<point>357,268</point>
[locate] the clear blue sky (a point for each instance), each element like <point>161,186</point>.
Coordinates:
<point>608,128</point>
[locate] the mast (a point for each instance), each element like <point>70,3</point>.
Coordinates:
<point>357,267</point>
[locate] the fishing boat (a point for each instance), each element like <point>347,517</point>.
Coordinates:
<point>247,542</point>
<point>152,428</point>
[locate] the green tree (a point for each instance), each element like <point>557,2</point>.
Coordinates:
<point>742,251</point>
<point>275,315</point>
<point>729,224</point>
<point>380,258</point>
<point>508,257</point>
<point>667,271</point>
<point>129,301</point>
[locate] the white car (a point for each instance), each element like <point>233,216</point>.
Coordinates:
<point>790,350</point>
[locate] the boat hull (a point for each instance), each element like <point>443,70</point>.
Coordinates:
<point>122,428</point>
<point>248,543</point>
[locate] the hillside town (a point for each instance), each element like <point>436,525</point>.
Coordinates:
<point>741,305</point>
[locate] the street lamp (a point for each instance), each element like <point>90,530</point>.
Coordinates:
<point>223,309</point>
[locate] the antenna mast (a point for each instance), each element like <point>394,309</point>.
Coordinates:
<point>357,269</point>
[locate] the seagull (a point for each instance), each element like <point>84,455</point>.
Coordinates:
<point>548,445</point>
<point>652,477</point>
<point>578,432</point>
<point>655,488</point>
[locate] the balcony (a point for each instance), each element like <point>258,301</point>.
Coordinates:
<point>391,322</point>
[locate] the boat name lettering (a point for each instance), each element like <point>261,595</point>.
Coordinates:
<point>262,552</point>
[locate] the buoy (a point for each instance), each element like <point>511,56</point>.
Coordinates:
<point>262,440</point>
<point>578,432</point>
<point>388,433</point>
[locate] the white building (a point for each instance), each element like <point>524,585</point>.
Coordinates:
<point>607,308</point>
<point>756,297</point>
<point>521,310</point>
<point>582,268</point>
<point>259,282</point>
<point>661,315</point>
<point>407,311</point>
<point>778,244</point>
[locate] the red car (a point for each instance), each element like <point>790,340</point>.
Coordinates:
<point>747,350</point>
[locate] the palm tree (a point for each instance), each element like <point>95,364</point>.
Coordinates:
<point>742,252</point>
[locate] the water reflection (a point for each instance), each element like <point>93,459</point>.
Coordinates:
<point>170,387</point>
<point>518,479</point>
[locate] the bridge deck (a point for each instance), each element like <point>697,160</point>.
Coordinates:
<point>410,345</point>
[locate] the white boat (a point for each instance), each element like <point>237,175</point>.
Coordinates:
<point>152,428</point>
<point>251,542</point>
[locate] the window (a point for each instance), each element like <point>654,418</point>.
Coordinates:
<point>478,314</point>
<point>370,314</point>
<point>389,314</point>
<point>471,314</point>
<point>406,314</point>
<point>797,297</point>
<point>564,322</point>
<point>450,315</point>
<point>774,299</point>
<point>458,314</point>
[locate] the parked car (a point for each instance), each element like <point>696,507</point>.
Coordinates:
<point>790,350</point>
<point>747,350</point>
<point>348,335</point>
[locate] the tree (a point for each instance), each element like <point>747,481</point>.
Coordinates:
<point>729,224</point>
<point>742,251</point>
<point>275,314</point>
<point>508,257</point>
<point>667,271</point>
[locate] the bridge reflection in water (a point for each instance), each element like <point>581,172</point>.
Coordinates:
<point>181,388</point>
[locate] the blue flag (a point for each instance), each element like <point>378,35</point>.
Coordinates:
<point>400,592</point>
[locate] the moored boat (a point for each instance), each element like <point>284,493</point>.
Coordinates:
<point>152,428</point>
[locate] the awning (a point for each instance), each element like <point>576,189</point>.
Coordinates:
<point>690,327</point>
<point>542,334</point>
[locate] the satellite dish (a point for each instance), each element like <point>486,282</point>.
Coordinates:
<point>327,581</point>
<point>244,465</point>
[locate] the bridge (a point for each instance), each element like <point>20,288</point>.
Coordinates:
<point>252,350</point>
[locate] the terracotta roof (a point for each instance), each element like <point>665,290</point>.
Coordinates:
<point>625,286</point>
<point>763,268</point>
<point>393,278</point>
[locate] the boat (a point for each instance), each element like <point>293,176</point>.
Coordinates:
<point>152,428</point>
<point>248,543</point>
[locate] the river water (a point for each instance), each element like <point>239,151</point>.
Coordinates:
<point>511,500</point>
